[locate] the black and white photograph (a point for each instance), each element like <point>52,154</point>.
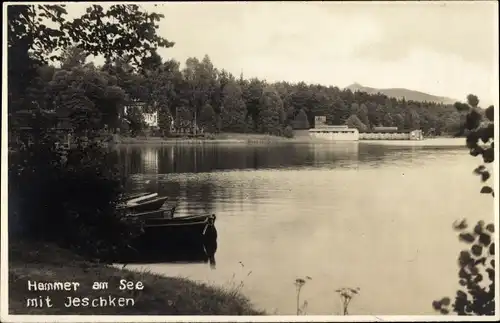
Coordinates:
<point>249,161</point>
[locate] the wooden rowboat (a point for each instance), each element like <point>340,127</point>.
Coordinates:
<point>165,238</point>
<point>144,203</point>
<point>141,198</point>
<point>128,197</point>
<point>156,214</point>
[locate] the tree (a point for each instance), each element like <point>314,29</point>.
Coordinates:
<point>165,119</point>
<point>201,84</point>
<point>184,119</point>
<point>88,97</point>
<point>399,121</point>
<point>387,120</point>
<point>373,116</point>
<point>343,111</point>
<point>412,120</point>
<point>354,122</point>
<point>73,57</point>
<point>233,111</point>
<point>362,114</point>
<point>151,62</point>
<point>271,112</point>
<point>223,78</point>
<point>164,85</point>
<point>69,196</point>
<point>252,94</point>
<point>476,263</point>
<point>32,43</point>
<point>208,119</point>
<point>301,121</point>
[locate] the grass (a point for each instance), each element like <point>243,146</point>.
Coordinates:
<point>160,296</point>
<point>250,138</point>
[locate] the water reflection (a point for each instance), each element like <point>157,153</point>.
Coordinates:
<point>346,215</point>
<point>203,158</point>
<point>150,160</point>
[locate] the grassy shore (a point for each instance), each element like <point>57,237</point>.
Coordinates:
<point>161,295</point>
<point>212,138</point>
<point>301,137</point>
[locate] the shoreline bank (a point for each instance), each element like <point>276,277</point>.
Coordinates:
<point>228,138</point>
<point>31,264</point>
<point>212,138</point>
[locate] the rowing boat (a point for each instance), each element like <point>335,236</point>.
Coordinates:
<point>128,197</point>
<point>183,236</point>
<point>142,202</point>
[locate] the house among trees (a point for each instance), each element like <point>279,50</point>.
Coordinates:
<point>27,123</point>
<point>137,118</point>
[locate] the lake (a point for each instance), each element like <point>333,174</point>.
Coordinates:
<point>369,215</point>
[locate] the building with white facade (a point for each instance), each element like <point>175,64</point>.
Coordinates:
<point>151,119</point>
<point>333,133</point>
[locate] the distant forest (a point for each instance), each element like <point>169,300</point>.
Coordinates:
<point>217,101</point>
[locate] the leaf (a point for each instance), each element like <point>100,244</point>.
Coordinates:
<point>486,190</point>
<point>488,155</point>
<point>485,133</point>
<point>464,258</point>
<point>477,250</point>
<point>444,311</point>
<point>479,169</point>
<point>476,151</point>
<point>472,139</point>
<point>485,176</point>
<point>472,119</point>
<point>491,274</point>
<point>460,225</point>
<point>478,279</point>
<point>478,229</point>
<point>492,249</point>
<point>485,239</point>
<point>490,113</point>
<point>490,227</point>
<point>445,301</point>
<point>474,270</point>
<point>436,305</point>
<point>466,237</point>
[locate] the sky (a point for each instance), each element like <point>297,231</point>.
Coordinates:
<point>441,48</point>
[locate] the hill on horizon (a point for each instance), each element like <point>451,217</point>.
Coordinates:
<point>400,93</point>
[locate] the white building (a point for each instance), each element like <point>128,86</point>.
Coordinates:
<point>151,119</point>
<point>332,133</point>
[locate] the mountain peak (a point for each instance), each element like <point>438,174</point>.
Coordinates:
<point>400,93</point>
<point>355,85</point>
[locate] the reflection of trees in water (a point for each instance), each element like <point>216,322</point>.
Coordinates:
<point>181,171</point>
<point>208,158</point>
<point>345,153</point>
<point>150,156</point>
<point>212,157</point>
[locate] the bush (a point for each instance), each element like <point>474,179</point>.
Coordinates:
<point>288,132</point>
<point>476,264</point>
<point>67,197</point>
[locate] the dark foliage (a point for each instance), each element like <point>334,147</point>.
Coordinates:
<point>476,264</point>
<point>68,195</point>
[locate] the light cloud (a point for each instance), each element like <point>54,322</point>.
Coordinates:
<point>447,49</point>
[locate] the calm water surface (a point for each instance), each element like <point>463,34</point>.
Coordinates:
<point>377,217</point>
